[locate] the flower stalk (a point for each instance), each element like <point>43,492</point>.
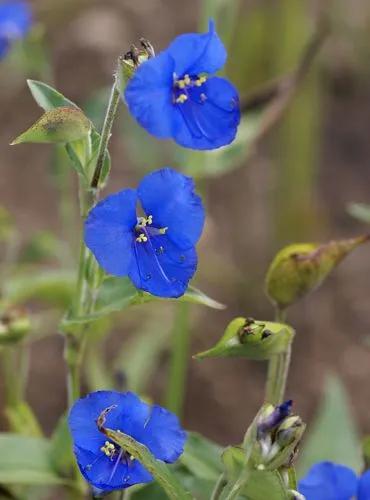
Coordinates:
<point>278,369</point>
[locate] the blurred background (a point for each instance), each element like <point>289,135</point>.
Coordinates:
<point>303,157</point>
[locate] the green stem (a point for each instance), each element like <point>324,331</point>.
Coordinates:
<point>84,299</point>
<point>278,369</point>
<point>219,486</point>
<point>106,134</point>
<point>179,359</point>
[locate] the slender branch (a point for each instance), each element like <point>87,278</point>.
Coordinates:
<point>219,486</point>
<point>278,369</point>
<point>106,134</point>
<point>179,359</point>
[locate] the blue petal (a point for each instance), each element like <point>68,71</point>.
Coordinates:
<point>163,435</point>
<point>169,197</point>
<point>109,231</point>
<point>110,474</point>
<point>15,19</point>
<point>129,414</point>
<point>148,95</point>
<point>210,117</point>
<point>195,53</point>
<point>364,487</point>
<point>328,481</point>
<point>161,268</point>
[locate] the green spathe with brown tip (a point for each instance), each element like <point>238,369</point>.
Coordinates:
<point>248,338</point>
<point>59,125</point>
<point>300,268</point>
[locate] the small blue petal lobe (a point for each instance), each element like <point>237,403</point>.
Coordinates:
<point>328,481</point>
<point>148,95</point>
<point>109,231</point>
<point>196,53</point>
<point>162,435</point>
<point>162,268</point>
<point>364,486</point>
<point>209,119</point>
<point>169,197</point>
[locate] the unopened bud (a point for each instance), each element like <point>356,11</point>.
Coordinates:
<point>14,325</point>
<point>132,60</point>
<point>277,416</point>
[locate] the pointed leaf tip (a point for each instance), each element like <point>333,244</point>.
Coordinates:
<point>59,125</point>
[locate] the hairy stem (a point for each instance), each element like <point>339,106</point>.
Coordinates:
<point>219,486</point>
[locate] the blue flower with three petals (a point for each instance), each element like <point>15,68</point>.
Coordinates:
<point>15,22</point>
<point>156,250</point>
<point>104,464</point>
<point>174,94</point>
<point>330,481</point>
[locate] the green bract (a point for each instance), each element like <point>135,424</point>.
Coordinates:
<point>59,125</point>
<point>246,337</point>
<point>300,268</point>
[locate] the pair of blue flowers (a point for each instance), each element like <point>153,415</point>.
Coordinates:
<point>171,96</point>
<point>330,481</point>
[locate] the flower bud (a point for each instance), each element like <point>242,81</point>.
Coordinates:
<point>14,325</point>
<point>278,414</point>
<point>132,60</point>
<point>300,268</point>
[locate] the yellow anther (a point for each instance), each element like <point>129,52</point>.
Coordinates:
<point>141,238</point>
<point>108,449</point>
<point>182,98</point>
<point>181,84</point>
<point>149,219</point>
<point>187,80</point>
<point>143,221</point>
<point>163,230</point>
<point>200,81</point>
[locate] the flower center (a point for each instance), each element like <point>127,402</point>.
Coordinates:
<point>182,87</point>
<point>143,230</point>
<point>108,449</point>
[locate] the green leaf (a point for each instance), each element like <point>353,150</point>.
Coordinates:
<point>300,268</point>
<point>61,446</point>
<point>47,97</point>
<point>159,470</point>
<point>26,460</point>
<point>263,485</point>
<point>360,211</point>
<point>202,457</point>
<point>50,286</point>
<point>59,125</point>
<point>22,420</point>
<point>333,435</point>
<point>83,153</point>
<point>251,339</point>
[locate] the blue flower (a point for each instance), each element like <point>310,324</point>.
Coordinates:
<point>15,21</point>
<point>157,250</point>
<point>173,96</point>
<point>104,464</point>
<point>330,481</point>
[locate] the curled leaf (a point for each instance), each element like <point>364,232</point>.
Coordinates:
<point>300,268</point>
<point>245,337</point>
<point>59,125</point>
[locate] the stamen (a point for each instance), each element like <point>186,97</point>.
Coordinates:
<point>108,449</point>
<point>200,81</point>
<point>181,99</point>
<point>187,80</point>
<point>163,230</point>
<point>181,84</point>
<point>142,238</point>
